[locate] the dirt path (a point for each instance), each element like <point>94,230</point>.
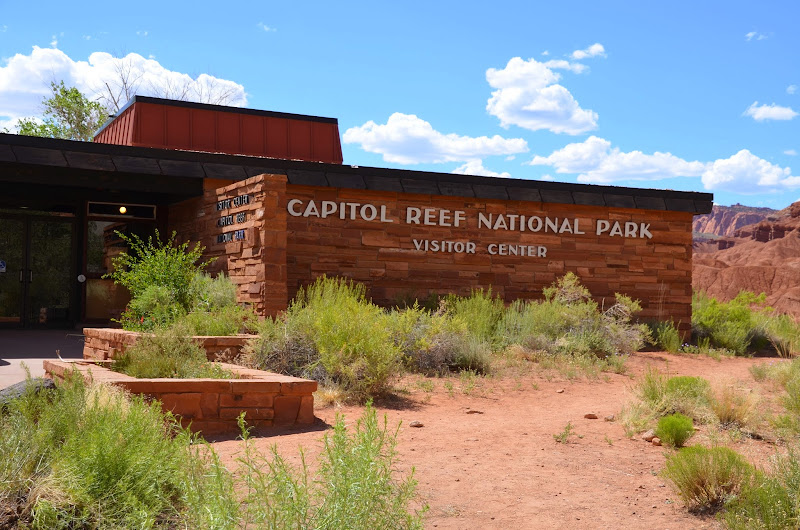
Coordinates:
<point>488,459</point>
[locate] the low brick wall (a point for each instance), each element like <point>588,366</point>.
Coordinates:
<point>107,343</point>
<point>212,406</point>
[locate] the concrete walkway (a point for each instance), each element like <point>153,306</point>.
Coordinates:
<point>28,348</point>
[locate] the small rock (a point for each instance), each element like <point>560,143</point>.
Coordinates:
<point>648,436</point>
<point>656,441</point>
<point>416,423</point>
<point>590,416</point>
<point>473,411</point>
<point>560,391</point>
<point>610,417</point>
<point>15,391</point>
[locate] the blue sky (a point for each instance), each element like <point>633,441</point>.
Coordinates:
<point>699,96</point>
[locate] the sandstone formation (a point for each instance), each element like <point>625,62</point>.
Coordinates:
<point>725,220</point>
<point>760,257</point>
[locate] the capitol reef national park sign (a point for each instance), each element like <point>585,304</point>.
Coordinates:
<point>274,233</point>
<point>458,218</point>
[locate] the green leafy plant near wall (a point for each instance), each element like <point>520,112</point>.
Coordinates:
<point>168,285</point>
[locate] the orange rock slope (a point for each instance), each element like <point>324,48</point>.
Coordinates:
<point>762,257</point>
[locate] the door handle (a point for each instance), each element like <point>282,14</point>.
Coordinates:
<point>30,275</point>
<point>20,276</point>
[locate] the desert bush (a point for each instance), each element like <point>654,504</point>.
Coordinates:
<point>675,429</point>
<point>436,343</point>
<point>680,394</point>
<point>93,457</point>
<point>666,336</point>
<point>332,330</point>
<point>737,325</point>
<point>155,307</point>
<point>223,321</point>
<point>480,309</point>
<point>355,486</point>
<point>168,352</point>
<point>784,335</point>
<point>772,502</point>
<point>658,396</point>
<point>207,293</point>
<point>707,478</point>
<point>733,408</point>
<point>157,263</point>
<point>569,322</point>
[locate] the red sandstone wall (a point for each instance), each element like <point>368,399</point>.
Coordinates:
<point>281,252</point>
<point>656,271</point>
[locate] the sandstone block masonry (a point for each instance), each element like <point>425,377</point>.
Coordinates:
<point>404,245</point>
<point>212,406</point>
<point>103,344</point>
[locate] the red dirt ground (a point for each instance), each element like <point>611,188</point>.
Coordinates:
<point>487,458</point>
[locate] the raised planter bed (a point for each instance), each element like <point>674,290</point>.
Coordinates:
<point>211,406</point>
<point>107,343</point>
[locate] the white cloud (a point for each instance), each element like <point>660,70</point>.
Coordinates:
<point>546,53</point>
<point>407,139</point>
<point>769,112</point>
<point>791,89</point>
<point>597,162</point>
<point>746,173</point>
<point>3,28</point>
<point>548,178</point>
<point>561,64</point>
<point>475,167</point>
<point>142,33</point>
<point>790,152</point>
<point>594,50</point>
<point>87,37</point>
<point>53,41</point>
<point>754,35</point>
<point>527,95</point>
<point>25,80</point>
<point>265,27</point>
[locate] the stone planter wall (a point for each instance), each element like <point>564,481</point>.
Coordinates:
<point>212,406</point>
<point>107,343</point>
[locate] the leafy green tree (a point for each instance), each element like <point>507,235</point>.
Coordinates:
<point>68,114</point>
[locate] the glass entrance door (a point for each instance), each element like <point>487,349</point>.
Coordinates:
<point>37,288</point>
<point>12,267</point>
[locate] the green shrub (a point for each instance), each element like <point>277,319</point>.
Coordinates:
<point>666,336</point>
<point>93,457</point>
<point>480,309</point>
<point>675,429</point>
<point>223,321</point>
<point>737,325</point>
<point>170,353</point>
<point>733,408</point>
<point>784,335</point>
<point>707,478</point>
<point>436,343</point>
<point>692,387</point>
<point>771,503</point>
<point>155,307</point>
<point>209,294</point>
<point>331,331</point>
<point>659,396</point>
<point>568,322</point>
<point>158,263</point>
<point>355,488</point>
